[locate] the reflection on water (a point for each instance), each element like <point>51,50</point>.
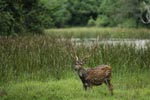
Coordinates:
<point>89,41</point>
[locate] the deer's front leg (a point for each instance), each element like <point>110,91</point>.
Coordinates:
<point>85,86</point>
<point>110,86</point>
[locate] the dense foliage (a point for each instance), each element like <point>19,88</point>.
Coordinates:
<point>120,13</point>
<point>23,16</point>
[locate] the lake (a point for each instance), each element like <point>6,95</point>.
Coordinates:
<point>139,43</point>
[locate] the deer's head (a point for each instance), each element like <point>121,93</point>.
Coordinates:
<point>79,62</point>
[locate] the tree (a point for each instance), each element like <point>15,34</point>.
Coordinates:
<point>81,11</point>
<point>109,9</point>
<point>23,16</point>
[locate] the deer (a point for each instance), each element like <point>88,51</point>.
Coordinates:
<point>92,76</point>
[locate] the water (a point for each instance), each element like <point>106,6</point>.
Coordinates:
<point>89,41</point>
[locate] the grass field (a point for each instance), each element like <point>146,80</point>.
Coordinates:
<point>88,32</point>
<point>40,68</point>
<point>127,87</point>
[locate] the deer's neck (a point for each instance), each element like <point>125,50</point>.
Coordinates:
<point>82,72</point>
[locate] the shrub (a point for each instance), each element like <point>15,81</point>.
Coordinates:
<point>102,20</point>
<point>91,22</point>
<point>6,23</point>
<point>129,23</point>
<point>23,16</point>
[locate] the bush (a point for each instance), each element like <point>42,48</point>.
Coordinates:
<point>5,23</point>
<point>102,20</point>
<point>128,23</point>
<point>23,16</point>
<point>91,22</point>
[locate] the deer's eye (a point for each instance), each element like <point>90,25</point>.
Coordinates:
<point>76,63</point>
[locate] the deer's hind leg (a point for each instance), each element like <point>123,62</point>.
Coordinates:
<point>110,86</point>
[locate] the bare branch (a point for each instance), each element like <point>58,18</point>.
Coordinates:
<point>146,20</point>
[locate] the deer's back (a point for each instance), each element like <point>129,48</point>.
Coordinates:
<point>99,74</point>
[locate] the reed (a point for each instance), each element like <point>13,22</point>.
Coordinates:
<point>43,58</point>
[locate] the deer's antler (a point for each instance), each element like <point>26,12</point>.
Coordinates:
<point>93,49</point>
<point>73,51</point>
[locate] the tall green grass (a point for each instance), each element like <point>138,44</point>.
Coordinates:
<point>40,68</point>
<point>36,57</point>
<point>44,58</point>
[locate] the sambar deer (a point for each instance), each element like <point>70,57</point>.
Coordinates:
<point>92,76</point>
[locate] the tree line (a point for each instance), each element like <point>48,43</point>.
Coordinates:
<point>26,16</point>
